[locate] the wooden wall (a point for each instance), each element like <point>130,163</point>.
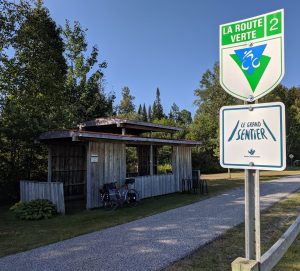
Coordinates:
<point>111,166</point>
<point>54,192</point>
<point>155,185</point>
<point>68,165</point>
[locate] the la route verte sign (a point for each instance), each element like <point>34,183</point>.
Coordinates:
<point>252,55</point>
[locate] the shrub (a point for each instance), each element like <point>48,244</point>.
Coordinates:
<point>34,209</point>
<point>163,169</point>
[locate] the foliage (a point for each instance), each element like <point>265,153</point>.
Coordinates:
<point>164,169</point>
<point>157,109</point>
<point>47,81</point>
<point>144,113</point>
<point>150,114</point>
<point>34,209</point>
<point>126,104</point>
<point>183,117</point>
<point>131,161</point>
<point>210,97</point>
<point>11,17</point>
<point>205,127</point>
<point>32,91</point>
<point>291,99</point>
<point>84,84</point>
<point>140,110</point>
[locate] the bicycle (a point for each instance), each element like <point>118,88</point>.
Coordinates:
<point>112,197</point>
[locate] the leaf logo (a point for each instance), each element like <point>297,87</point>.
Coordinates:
<point>251,151</point>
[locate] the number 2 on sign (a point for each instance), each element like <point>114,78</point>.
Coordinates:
<point>274,25</point>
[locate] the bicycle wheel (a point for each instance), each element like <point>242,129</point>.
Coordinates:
<point>132,197</point>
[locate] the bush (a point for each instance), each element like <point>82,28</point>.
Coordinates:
<point>34,209</point>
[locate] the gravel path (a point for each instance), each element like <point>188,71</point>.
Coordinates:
<point>150,243</point>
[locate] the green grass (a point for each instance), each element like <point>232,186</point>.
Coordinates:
<point>17,235</point>
<point>219,254</point>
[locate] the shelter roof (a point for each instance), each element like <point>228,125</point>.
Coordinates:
<point>71,135</point>
<point>133,127</point>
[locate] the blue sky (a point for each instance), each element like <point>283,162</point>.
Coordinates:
<point>168,43</point>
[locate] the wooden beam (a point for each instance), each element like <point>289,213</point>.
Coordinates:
<point>49,178</point>
<point>88,178</point>
<point>276,252</point>
<point>151,160</point>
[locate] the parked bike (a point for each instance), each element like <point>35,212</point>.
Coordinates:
<point>112,197</point>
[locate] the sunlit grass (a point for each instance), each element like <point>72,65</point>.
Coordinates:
<point>219,254</point>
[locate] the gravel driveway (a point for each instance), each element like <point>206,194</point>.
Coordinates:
<point>150,243</point>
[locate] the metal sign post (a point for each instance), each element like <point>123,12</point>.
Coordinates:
<point>250,220</point>
<point>257,215</point>
<point>252,214</point>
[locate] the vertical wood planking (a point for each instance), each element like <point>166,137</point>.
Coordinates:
<point>53,191</point>
<point>111,166</point>
<point>156,185</point>
<point>88,177</point>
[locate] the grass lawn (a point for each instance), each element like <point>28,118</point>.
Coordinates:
<point>219,254</point>
<point>16,235</point>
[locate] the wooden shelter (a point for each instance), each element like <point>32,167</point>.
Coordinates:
<point>95,154</point>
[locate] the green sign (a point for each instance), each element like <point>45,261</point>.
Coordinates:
<point>252,55</point>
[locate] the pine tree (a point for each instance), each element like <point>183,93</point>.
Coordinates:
<point>144,113</point>
<point>149,113</point>
<point>126,105</point>
<point>157,110</point>
<point>140,110</point>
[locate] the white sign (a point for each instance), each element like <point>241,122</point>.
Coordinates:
<point>253,136</point>
<point>291,156</point>
<point>94,158</point>
<point>252,55</point>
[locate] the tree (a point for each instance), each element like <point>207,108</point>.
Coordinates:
<point>144,113</point>
<point>174,112</point>
<point>85,91</point>
<point>12,15</point>
<point>157,109</point>
<point>205,128</point>
<point>33,100</point>
<point>126,104</point>
<point>149,113</point>
<point>186,117</point>
<point>140,110</point>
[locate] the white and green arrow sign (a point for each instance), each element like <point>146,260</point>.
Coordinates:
<point>252,55</point>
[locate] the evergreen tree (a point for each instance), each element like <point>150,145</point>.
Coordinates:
<point>157,109</point>
<point>149,113</point>
<point>140,110</point>
<point>144,113</point>
<point>126,105</point>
